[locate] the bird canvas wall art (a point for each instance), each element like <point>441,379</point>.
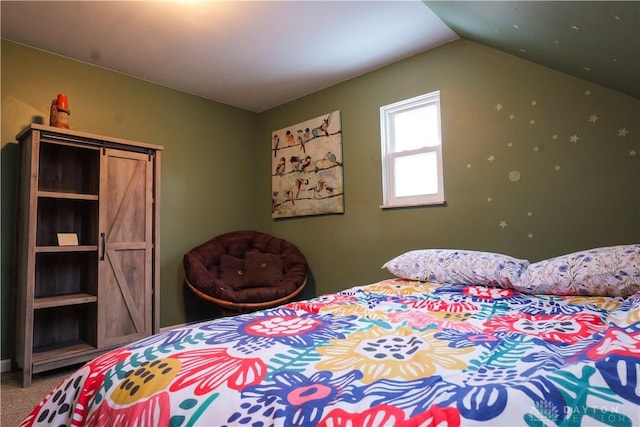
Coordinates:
<point>307,168</point>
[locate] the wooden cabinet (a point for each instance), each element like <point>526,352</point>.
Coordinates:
<point>75,301</point>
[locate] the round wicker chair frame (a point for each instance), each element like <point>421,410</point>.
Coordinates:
<point>245,307</point>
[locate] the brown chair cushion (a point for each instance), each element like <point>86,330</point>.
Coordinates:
<point>232,271</point>
<point>262,270</point>
<point>208,269</point>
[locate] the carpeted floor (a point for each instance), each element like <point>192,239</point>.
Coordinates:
<point>16,402</point>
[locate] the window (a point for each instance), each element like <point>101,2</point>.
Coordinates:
<point>412,152</point>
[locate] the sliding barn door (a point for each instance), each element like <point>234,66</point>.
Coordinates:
<point>126,247</point>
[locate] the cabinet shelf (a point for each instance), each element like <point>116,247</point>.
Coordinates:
<point>64,168</point>
<point>61,349</point>
<point>63,300</point>
<point>56,249</point>
<point>63,273</point>
<point>66,195</point>
<point>78,215</point>
<point>64,354</point>
<point>50,357</point>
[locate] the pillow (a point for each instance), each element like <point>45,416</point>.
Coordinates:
<point>458,267</point>
<point>607,271</point>
<point>262,269</point>
<point>232,271</point>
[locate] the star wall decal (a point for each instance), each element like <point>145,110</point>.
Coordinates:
<point>575,27</point>
<point>558,134</point>
<point>468,165</point>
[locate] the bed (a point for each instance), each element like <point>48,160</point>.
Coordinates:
<point>443,342</point>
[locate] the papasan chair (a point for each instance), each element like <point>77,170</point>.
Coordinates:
<point>246,270</point>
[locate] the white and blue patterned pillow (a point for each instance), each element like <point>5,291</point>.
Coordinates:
<point>606,271</point>
<point>458,267</point>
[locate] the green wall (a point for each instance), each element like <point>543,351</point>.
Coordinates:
<point>208,182</point>
<point>592,200</point>
<point>217,162</point>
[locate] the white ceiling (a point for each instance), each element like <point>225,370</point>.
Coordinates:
<point>251,54</point>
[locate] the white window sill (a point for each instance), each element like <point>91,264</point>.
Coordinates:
<point>414,204</point>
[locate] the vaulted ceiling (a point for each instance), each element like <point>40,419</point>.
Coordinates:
<point>260,54</point>
<point>598,41</point>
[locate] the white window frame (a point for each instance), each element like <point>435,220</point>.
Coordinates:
<point>387,112</point>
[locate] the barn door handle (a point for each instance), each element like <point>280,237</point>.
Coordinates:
<point>104,246</point>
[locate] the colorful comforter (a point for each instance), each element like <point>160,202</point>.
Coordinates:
<point>393,353</point>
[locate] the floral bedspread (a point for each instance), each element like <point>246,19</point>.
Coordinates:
<point>393,353</point>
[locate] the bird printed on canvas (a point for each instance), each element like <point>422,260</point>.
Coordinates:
<point>281,166</point>
<point>276,143</point>
<point>302,184</point>
<point>301,140</point>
